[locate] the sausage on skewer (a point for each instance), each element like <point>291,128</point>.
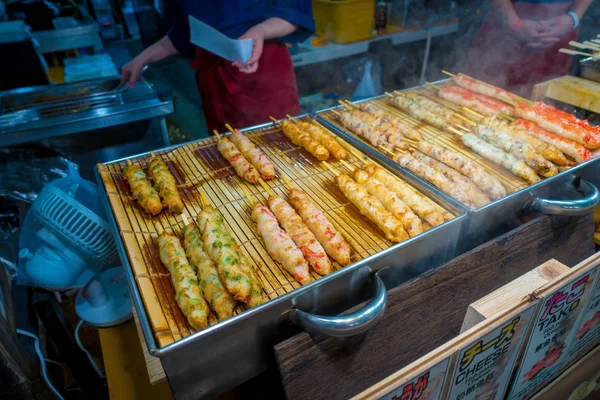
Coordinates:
<point>234,269</point>
<point>575,150</point>
<point>184,279</point>
<point>253,154</point>
<point>242,167</point>
<point>414,200</point>
<point>478,102</point>
<point>219,299</point>
<point>329,142</point>
<point>165,185</point>
<point>483,179</point>
<point>303,238</point>
<point>300,138</point>
<point>142,190</point>
<point>333,242</point>
<point>390,200</point>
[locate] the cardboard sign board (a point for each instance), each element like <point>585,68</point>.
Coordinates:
<point>587,331</point>
<point>484,367</point>
<point>545,355</point>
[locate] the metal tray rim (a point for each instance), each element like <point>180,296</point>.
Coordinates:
<point>460,216</point>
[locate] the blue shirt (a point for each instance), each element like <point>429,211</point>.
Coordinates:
<point>234,17</point>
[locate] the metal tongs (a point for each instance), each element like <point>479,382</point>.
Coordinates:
<point>123,87</point>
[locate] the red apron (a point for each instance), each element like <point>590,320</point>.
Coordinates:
<point>501,58</point>
<point>242,100</point>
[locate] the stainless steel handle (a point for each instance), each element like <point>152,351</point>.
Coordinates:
<point>345,325</point>
<point>569,207</point>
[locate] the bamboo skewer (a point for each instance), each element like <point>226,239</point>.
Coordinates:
<point>287,181</point>
<point>584,46</point>
<point>593,43</point>
<point>152,154</point>
<point>389,94</point>
<point>409,140</point>
<point>467,120</point>
<point>464,128</point>
<point>266,187</point>
<point>508,117</point>
<point>432,86</point>
<point>129,162</point>
<point>184,217</point>
<point>229,127</point>
<point>333,171</point>
<point>509,101</point>
<point>217,135</point>
<point>352,105</point>
<point>274,121</point>
<point>205,201</point>
<point>574,53</point>
<point>459,133</point>
<point>248,196</point>
<point>475,113</point>
<point>347,165</point>
<point>447,73</point>
<point>346,106</point>
<point>291,118</point>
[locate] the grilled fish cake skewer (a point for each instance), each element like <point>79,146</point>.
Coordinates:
<point>478,102</point>
<point>234,270</point>
<point>185,282</point>
<point>333,242</point>
<point>399,125</point>
<point>371,208</point>
<point>328,141</point>
<point>547,150</point>
<point>390,200</point>
<point>579,152</point>
<point>253,154</point>
<point>280,245</point>
<point>483,179</point>
<point>303,238</point>
<point>414,200</point>
<point>560,123</point>
<point>300,138</point>
<point>242,167</point>
<point>429,174</point>
<point>142,189</point>
<point>519,149</point>
<point>501,158</point>
<point>165,185</point>
<point>476,196</point>
<point>219,299</point>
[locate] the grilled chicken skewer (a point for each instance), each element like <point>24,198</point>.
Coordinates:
<point>398,125</point>
<point>235,271</point>
<point>370,207</point>
<point>478,102</point>
<point>575,150</point>
<point>278,243</point>
<point>141,189</point>
<point>185,282</point>
<point>303,238</point>
<point>548,151</point>
<point>424,171</point>
<point>322,136</point>
<point>419,204</point>
<point>483,179</point>
<point>519,149</point>
<point>165,185</point>
<point>300,138</point>
<point>219,299</point>
<point>476,197</point>
<point>333,242</point>
<point>390,200</point>
<point>242,167</point>
<point>499,157</point>
<point>426,110</point>
<point>252,153</point>
<point>560,123</point>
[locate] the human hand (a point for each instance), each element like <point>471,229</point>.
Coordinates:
<point>530,31</point>
<point>543,43</point>
<point>557,27</point>
<point>257,34</point>
<point>132,71</point>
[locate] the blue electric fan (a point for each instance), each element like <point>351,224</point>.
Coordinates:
<point>66,243</point>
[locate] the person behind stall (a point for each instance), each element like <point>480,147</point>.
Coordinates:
<point>517,44</point>
<point>241,95</point>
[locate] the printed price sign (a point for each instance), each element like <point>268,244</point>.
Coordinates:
<point>483,368</point>
<point>425,385</point>
<point>587,333</point>
<point>552,333</point>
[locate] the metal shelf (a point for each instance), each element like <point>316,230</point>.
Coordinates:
<point>334,51</point>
